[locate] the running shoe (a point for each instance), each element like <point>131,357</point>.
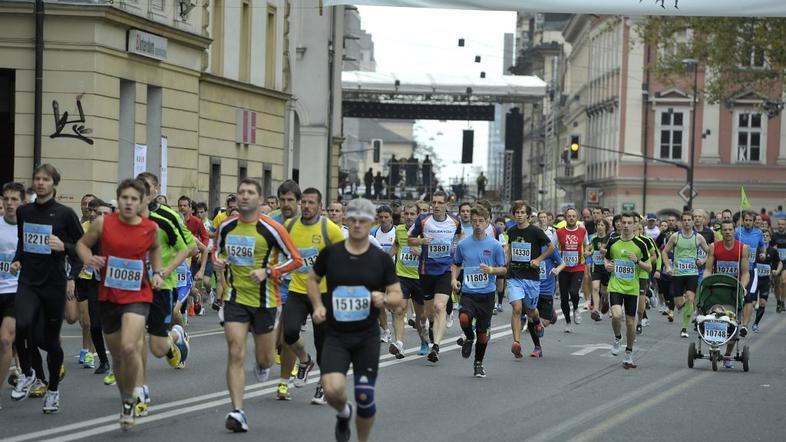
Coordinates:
<point>466,348</point>
<point>627,362</point>
<point>278,358</point>
<point>539,330</point>
<point>576,317</point>
<point>103,368</point>
<point>262,374</point>
<point>727,363</point>
<point>236,421</point>
<point>423,349</point>
<point>62,373</point>
<point>670,314</point>
<point>82,354</point>
<point>567,328</point>
<point>89,361</point>
<point>684,333</point>
<point>173,357</point>
<point>282,393</point>
<point>743,331</point>
<point>645,322</point>
<point>536,353</point>
<point>127,416</point>
<point>516,350</point>
<point>303,369</point>
<point>479,371</point>
<point>142,404</point>
<point>38,389</point>
<point>397,349</point>
<point>638,328</point>
<point>13,375</point>
<point>109,379</point>
<point>595,315</point>
<point>500,308</point>
<point>411,322</point>
<point>449,323</point>
<point>319,396</point>
<point>343,432</point>
<point>615,349</point>
<point>51,402</point>
<point>433,355</point>
<point>755,328</point>
<point>385,336</point>
<point>23,385</point>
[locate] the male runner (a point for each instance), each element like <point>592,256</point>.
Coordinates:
<point>361,281</point>
<point>482,259</point>
<point>573,244</point>
<point>385,234</point>
<point>779,242</point>
<point>436,233</point>
<point>528,246</point>
<point>624,255</point>
<point>86,358</point>
<point>47,232</point>
<point>245,246</point>
<point>13,195</point>
<point>685,272</point>
<point>550,267</point>
<point>752,237</point>
<point>127,241</point>
<point>310,232</point>
<point>768,267</point>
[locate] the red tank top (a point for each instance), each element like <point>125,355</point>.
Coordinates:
<point>124,277</point>
<point>723,255</point>
<point>571,247</point>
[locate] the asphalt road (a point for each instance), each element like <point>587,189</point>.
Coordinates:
<point>578,391</point>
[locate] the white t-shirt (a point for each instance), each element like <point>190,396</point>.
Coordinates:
<point>8,238</point>
<point>371,239</point>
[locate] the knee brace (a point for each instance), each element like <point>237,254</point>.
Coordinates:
<point>465,320</point>
<point>364,396</point>
<point>483,337</point>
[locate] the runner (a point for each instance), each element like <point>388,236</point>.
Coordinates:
<point>600,277</point>
<point>13,196</point>
<point>752,237</point>
<point>127,241</point>
<point>528,246</point>
<point>244,246</point>
<point>77,307</point>
<point>573,245</point>
<point>779,242</point>
<point>482,259</point>
<point>768,267</point>
<point>385,234</point>
<point>47,232</point>
<point>550,268</point>
<point>624,255</point>
<point>407,272</point>
<point>310,232</point>
<point>361,281</point>
<point>645,277</point>
<point>436,233</point>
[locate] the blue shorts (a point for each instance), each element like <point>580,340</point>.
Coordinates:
<point>283,289</point>
<point>524,289</point>
<point>182,292</point>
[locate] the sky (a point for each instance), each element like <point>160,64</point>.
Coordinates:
<point>414,40</point>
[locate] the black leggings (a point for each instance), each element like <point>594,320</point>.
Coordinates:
<point>294,315</point>
<point>96,332</point>
<point>569,285</point>
<point>49,302</point>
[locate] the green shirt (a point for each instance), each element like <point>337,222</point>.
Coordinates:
<point>653,253</point>
<point>685,255</point>
<point>406,261</point>
<point>171,243</point>
<point>623,278</point>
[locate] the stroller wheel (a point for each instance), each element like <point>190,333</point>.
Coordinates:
<point>714,360</point>
<point>745,356</point>
<point>691,354</point>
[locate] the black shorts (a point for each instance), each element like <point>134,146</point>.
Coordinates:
<point>599,273</point>
<point>433,284</point>
<point>629,302</point>
<point>546,308</point>
<point>664,287</point>
<point>160,317</point>
<point>297,309</point>
<point>763,288</point>
<point>570,282</point>
<point>7,305</point>
<point>86,289</point>
<point>410,289</point>
<point>360,348</point>
<point>262,319</point>
<point>479,307</point>
<point>682,284</point>
<point>112,314</point>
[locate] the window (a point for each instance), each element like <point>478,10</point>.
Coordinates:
<point>672,131</point>
<point>270,49</point>
<point>217,48</point>
<point>127,117</point>
<point>752,57</point>
<point>750,134</point>
<point>245,42</point>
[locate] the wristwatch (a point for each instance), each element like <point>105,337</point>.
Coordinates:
<point>159,273</point>
<point>268,272</point>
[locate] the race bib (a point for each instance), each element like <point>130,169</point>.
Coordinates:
<point>182,275</point>
<point>521,252</point>
<point>597,258</point>
<point>763,270</point>
<point>35,238</point>
<point>240,250</point>
<point>571,258</point>
<point>782,254</point>
<point>624,269</point>
<point>124,274</point>
<point>730,268</point>
<point>715,332</point>
<point>439,248</point>
<point>407,258</point>
<point>543,272</point>
<point>475,279</point>
<point>351,303</point>
<point>309,256</point>
<point>685,266</point>
<point>700,253</point>
<point>5,266</point>
<point>751,255</point>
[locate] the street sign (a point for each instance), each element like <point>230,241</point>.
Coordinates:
<point>685,191</point>
<point>628,207</point>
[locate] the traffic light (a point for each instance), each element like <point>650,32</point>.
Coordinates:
<point>377,146</point>
<point>575,145</point>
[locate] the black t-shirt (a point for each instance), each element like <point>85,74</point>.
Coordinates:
<point>778,240</point>
<point>525,245</point>
<point>590,226</point>
<point>350,281</point>
<point>771,258</point>
<point>708,234</point>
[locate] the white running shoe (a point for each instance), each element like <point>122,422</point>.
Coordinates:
<point>576,317</point>
<point>262,374</point>
<point>645,322</point>
<point>51,402</point>
<point>23,386</point>
<point>385,336</point>
<point>567,328</point>
<point>615,349</point>
<point>449,320</point>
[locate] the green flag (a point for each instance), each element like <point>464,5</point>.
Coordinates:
<point>744,203</point>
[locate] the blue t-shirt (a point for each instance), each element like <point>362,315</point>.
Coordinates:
<point>470,254</point>
<point>548,282</point>
<point>753,238</point>
<point>435,258</point>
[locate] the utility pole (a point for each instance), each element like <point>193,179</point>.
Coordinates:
<point>39,82</point>
<point>693,64</point>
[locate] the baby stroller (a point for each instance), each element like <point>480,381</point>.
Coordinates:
<point>719,302</point>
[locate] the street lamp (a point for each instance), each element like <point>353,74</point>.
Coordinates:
<point>692,64</point>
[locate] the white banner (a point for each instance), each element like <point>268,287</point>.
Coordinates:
<point>163,173</point>
<point>717,8</point>
<point>140,158</point>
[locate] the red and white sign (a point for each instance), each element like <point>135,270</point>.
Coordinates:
<point>245,126</point>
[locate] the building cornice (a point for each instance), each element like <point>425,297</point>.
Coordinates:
<point>250,88</point>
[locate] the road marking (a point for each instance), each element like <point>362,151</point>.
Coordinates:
<point>589,348</point>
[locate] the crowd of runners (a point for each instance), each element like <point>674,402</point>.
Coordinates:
<point>131,270</point>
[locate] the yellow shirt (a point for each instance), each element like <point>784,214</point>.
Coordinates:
<point>309,241</point>
<point>220,218</point>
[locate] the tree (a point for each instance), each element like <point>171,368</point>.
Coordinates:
<point>741,55</point>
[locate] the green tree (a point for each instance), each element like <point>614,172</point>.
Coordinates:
<point>741,55</point>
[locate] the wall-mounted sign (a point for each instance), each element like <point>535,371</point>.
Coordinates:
<point>146,44</point>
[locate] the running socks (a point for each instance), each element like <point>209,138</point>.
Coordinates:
<point>480,346</point>
<point>531,327</point>
<point>687,314</point>
<point>500,296</point>
<point>759,314</point>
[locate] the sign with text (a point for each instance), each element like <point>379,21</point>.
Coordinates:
<point>146,44</point>
<point>140,158</point>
